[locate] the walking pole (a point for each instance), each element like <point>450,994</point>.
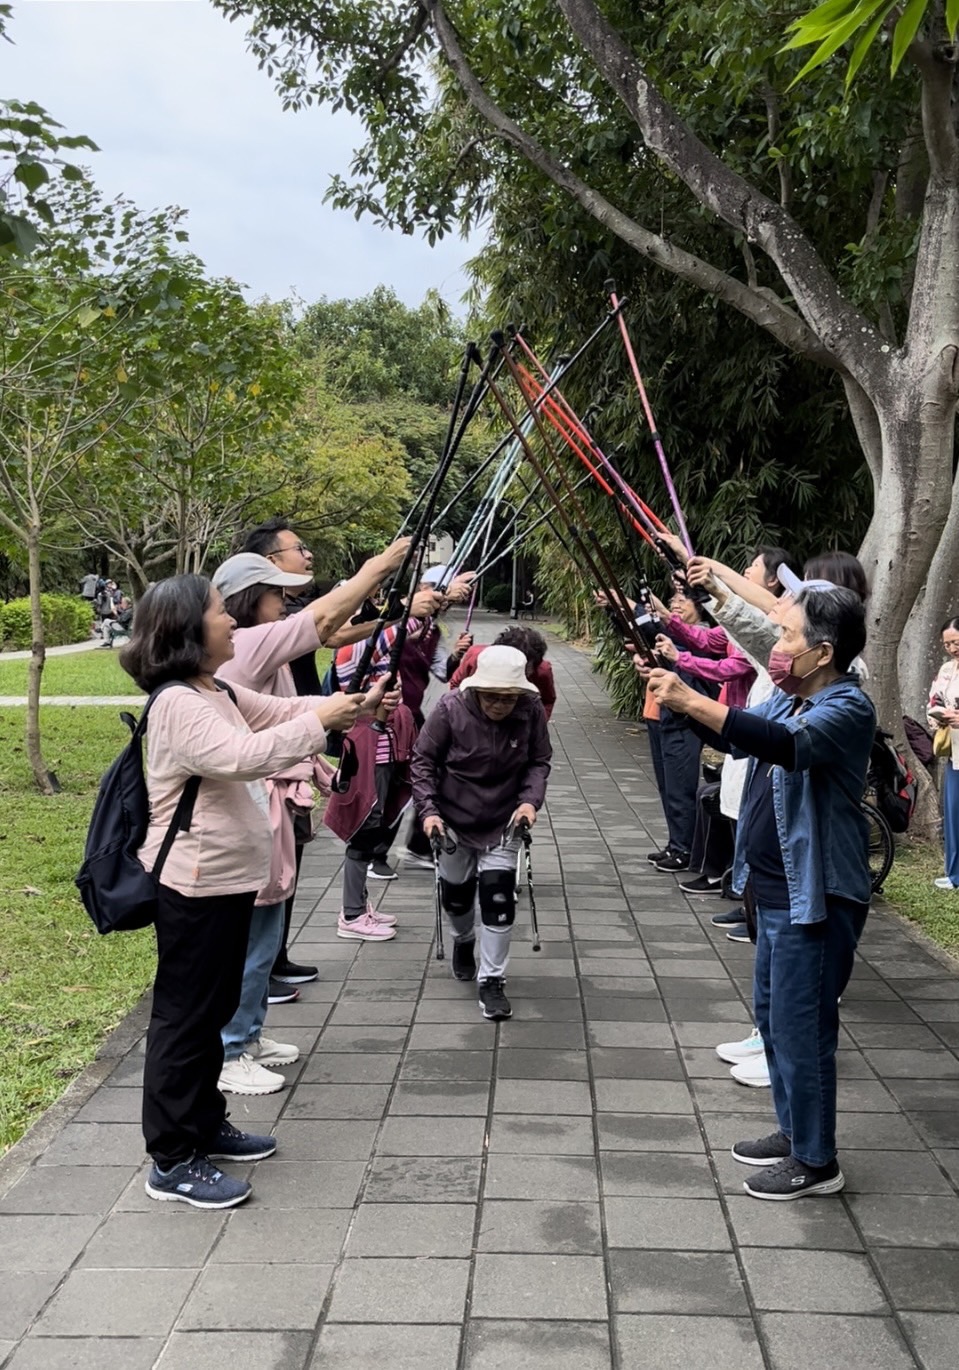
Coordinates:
<point>436,843</point>
<point>527,839</point>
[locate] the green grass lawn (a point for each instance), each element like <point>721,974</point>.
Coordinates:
<point>909,888</point>
<point>77,673</point>
<point>62,985</point>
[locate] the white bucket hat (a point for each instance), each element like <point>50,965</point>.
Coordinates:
<point>501,669</point>
<point>247,569</point>
<point>795,587</point>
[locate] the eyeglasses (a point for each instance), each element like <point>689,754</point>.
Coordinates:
<point>492,698</point>
<point>296,547</point>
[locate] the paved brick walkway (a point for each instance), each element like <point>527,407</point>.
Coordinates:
<point>556,1192</point>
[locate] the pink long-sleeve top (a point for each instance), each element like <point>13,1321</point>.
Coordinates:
<point>726,663</point>
<point>234,747</point>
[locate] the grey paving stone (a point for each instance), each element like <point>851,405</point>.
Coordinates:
<point>671,1343</point>
<point>927,1280</point>
<point>623,968</point>
<point>949,1160</point>
<point>650,1132</point>
<point>113,1144</point>
<point>363,1038</point>
<point>541,1177</point>
<point>798,1340</point>
<point>515,1063</point>
<point>338,1067</point>
<point>647,1174</point>
<point>433,1136</point>
<point>549,1287</point>
<point>931,1064</point>
<point>111,1105</point>
<point>418,1290</point>
<point>542,1096</point>
<point>893,1172</point>
<point>452,1037</point>
<point>541,1134</point>
<point>168,1237</point>
<point>702,1063</point>
<point>667,1224</point>
<point>261,1297</point>
<point>537,1345</point>
<point>428,1179</point>
<point>43,1242</point>
<point>812,1281</point>
<point>569,1229</point>
<point>380,1013</point>
<point>630,1035</point>
<point>371,1347</point>
<point>337,1101</point>
<point>283,1236</point>
<point>935,1336</point>
<point>415,1229</point>
<point>536,1036</point>
<point>624,1010</point>
<point>68,1188</point>
<point>818,1226</point>
<point>116,1303</point>
<point>709,1034</point>
<point>459,1065</point>
<point>939,1129</point>
<point>86,1353</point>
<point>643,1096</point>
<point>916,1220</point>
<point>307,1184</point>
<point>24,1294</point>
<point>636,1063</point>
<point>235,1351</point>
<point>677,1282</point>
<point>425,1098</point>
<point>339,1141</point>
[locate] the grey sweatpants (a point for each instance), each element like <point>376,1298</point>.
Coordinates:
<point>461,865</point>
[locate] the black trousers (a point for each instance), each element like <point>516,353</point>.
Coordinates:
<point>201,948</point>
<point>283,955</point>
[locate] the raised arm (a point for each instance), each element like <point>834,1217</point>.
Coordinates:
<point>332,610</point>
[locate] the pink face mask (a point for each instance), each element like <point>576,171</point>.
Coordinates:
<point>781,671</point>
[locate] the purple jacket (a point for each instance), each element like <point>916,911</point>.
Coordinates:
<point>475,773</point>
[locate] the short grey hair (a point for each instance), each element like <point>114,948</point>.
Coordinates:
<point>837,617</point>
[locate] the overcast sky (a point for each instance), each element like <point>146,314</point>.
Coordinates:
<point>182,115</point>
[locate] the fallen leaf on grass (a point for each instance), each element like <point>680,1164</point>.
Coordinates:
<point>30,889</point>
<point>75,989</point>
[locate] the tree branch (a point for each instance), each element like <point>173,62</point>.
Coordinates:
<point>771,99</point>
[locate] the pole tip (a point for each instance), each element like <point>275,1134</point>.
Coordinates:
<point>498,337</point>
<point>609,285</point>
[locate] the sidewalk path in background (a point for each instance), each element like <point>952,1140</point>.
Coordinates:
<point>55,651</point>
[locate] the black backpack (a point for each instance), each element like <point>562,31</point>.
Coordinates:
<point>117,892</point>
<point>894,783</point>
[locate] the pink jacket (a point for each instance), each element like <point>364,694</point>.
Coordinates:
<point>726,662</point>
<point>346,813</point>
<point>260,661</point>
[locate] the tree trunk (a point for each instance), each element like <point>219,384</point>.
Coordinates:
<point>920,653</point>
<point>35,672</point>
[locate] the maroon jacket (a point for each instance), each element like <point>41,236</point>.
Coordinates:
<point>475,773</point>
<point>346,813</point>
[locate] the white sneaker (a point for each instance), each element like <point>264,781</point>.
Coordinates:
<point>944,883</point>
<point>753,1072</point>
<point>246,1076</point>
<point>734,1052</point>
<point>366,928</point>
<point>266,1052</point>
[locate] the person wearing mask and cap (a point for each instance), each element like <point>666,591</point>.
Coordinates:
<point>480,767</point>
<point>803,842</point>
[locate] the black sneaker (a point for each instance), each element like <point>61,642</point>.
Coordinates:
<point>675,861</point>
<point>289,973</point>
<point>702,884</point>
<point>281,993</point>
<point>464,960</point>
<point>233,1145</point>
<point>654,856</point>
<point>729,919</point>
<point>767,1151</point>
<point>739,932</point>
<point>198,1183</point>
<point>493,1001</point>
<point>792,1179</point>
<point>381,870</point>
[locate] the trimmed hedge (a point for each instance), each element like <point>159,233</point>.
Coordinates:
<point>66,618</point>
<point>498,598</point>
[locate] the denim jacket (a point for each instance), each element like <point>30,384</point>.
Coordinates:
<point>823,833</point>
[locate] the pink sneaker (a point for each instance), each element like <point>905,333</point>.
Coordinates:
<point>387,919</point>
<point>366,928</point>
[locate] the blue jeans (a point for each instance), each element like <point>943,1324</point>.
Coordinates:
<point>266,936</point>
<point>950,822</point>
<point>801,971</point>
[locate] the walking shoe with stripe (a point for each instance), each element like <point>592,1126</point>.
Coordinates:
<point>654,856</point>
<point>233,1145</point>
<point>792,1179</point>
<point>266,1052</point>
<point>767,1151</point>
<point>280,993</point>
<point>739,932</point>
<point>366,928</point>
<point>702,884</point>
<point>381,916</point>
<point>197,1182</point>
<point>729,918</point>
<point>493,1000</point>
<point>289,973</point>
<point>734,1052</point>
<point>380,870</point>
<point>675,862</point>
<point>753,1072</point>
<point>246,1076</point>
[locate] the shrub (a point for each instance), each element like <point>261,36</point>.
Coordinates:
<point>66,618</point>
<point>498,599</point>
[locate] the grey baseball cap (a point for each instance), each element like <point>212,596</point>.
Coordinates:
<point>247,569</point>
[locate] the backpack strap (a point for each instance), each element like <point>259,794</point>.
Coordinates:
<point>180,822</point>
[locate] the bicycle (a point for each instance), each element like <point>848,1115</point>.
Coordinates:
<point>882,847</point>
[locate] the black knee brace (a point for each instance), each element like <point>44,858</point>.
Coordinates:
<point>497,898</point>
<point>458,899</point>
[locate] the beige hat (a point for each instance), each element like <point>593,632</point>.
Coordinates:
<point>247,569</point>
<point>501,669</point>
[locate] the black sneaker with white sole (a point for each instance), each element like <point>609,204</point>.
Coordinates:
<point>654,856</point>
<point>676,861</point>
<point>702,884</point>
<point>289,973</point>
<point>792,1179</point>
<point>198,1183</point>
<point>464,959</point>
<point>728,919</point>
<point>739,932</point>
<point>280,993</point>
<point>493,1000</point>
<point>381,870</point>
<point>767,1151</point>
<point>233,1145</point>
